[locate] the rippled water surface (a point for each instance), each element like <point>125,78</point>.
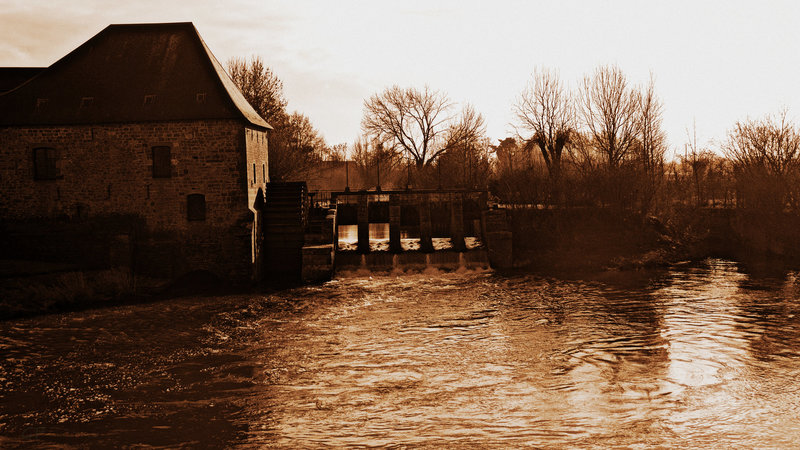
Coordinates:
<point>699,356</point>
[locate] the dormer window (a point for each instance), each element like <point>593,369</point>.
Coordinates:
<point>150,99</point>
<point>41,103</point>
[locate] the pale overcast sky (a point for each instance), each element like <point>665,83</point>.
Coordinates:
<point>714,62</point>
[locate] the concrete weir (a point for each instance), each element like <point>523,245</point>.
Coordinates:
<point>412,261</point>
<point>449,225</point>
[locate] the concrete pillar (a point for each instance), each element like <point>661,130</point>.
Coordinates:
<point>395,245</point>
<point>363,223</point>
<point>329,235</point>
<point>476,228</point>
<point>425,227</point>
<point>457,223</point>
<point>498,238</point>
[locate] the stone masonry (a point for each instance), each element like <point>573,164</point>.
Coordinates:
<point>107,169</point>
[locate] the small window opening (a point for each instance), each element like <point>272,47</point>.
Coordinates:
<point>149,99</point>
<point>87,102</point>
<point>41,103</point>
<point>254,174</point>
<point>200,97</point>
<point>264,173</point>
<point>196,207</point>
<point>45,163</point>
<point>162,162</point>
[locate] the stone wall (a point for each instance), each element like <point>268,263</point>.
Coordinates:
<point>257,170</point>
<point>107,170</point>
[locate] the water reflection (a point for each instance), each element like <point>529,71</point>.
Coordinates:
<point>377,232</point>
<point>697,356</point>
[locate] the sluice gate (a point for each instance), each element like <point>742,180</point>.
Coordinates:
<point>443,229</point>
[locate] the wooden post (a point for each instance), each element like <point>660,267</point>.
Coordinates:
<point>363,223</point>
<point>395,246</point>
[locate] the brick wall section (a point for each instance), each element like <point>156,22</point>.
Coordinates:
<point>108,170</point>
<point>257,178</point>
<point>256,144</point>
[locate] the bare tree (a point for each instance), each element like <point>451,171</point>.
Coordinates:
<point>468,129</point>
<point>295,149</point>
<point>766,156</point>
<point>652,139</point>
<point>337,152</point>
<point>651,146</point>
<point>772,143</point>
<point>609,110</point>
<point>376,163</point>
<point>546,117</point>
<point>410,121</point>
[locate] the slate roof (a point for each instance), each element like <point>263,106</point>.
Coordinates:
<point>11,77</point>
<point>131,73</point>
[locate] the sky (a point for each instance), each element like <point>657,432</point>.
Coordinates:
<point>714,62</point>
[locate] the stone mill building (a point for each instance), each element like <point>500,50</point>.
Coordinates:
<point>134,149</point>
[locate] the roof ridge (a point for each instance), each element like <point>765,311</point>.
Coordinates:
<point>240,103</point>
<point>214,72</point>
<point>146,24</point>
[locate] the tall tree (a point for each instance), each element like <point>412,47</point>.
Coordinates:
<point>765,155</point>
<point>376,162</point>
<point>651,145</point>
<point>295,146</point>
<point>609,112</point>
<point>468,129</point>
<point>410,121</point>
<point>337,152</point>
<point>545,117</point>
<point>772,143</point>
<point>260,87</point>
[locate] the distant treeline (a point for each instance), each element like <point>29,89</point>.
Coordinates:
<point>600,143</point>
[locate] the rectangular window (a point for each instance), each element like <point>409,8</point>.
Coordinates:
<point>162,162</point>
<point>41,104</point>
<point>45,163</point>
<point>264,172</point>
<point>196,207</point>
<point>255,174</point>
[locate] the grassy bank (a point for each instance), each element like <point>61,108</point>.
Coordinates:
<point>29,288</point>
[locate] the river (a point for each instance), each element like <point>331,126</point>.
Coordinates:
<point>702,355</point>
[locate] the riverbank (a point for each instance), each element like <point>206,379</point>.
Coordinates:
<point>564,242</point>
<point>596,239</point>
<point>31,288</point>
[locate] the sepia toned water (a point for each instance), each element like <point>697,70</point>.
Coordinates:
<point>699,356</point>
